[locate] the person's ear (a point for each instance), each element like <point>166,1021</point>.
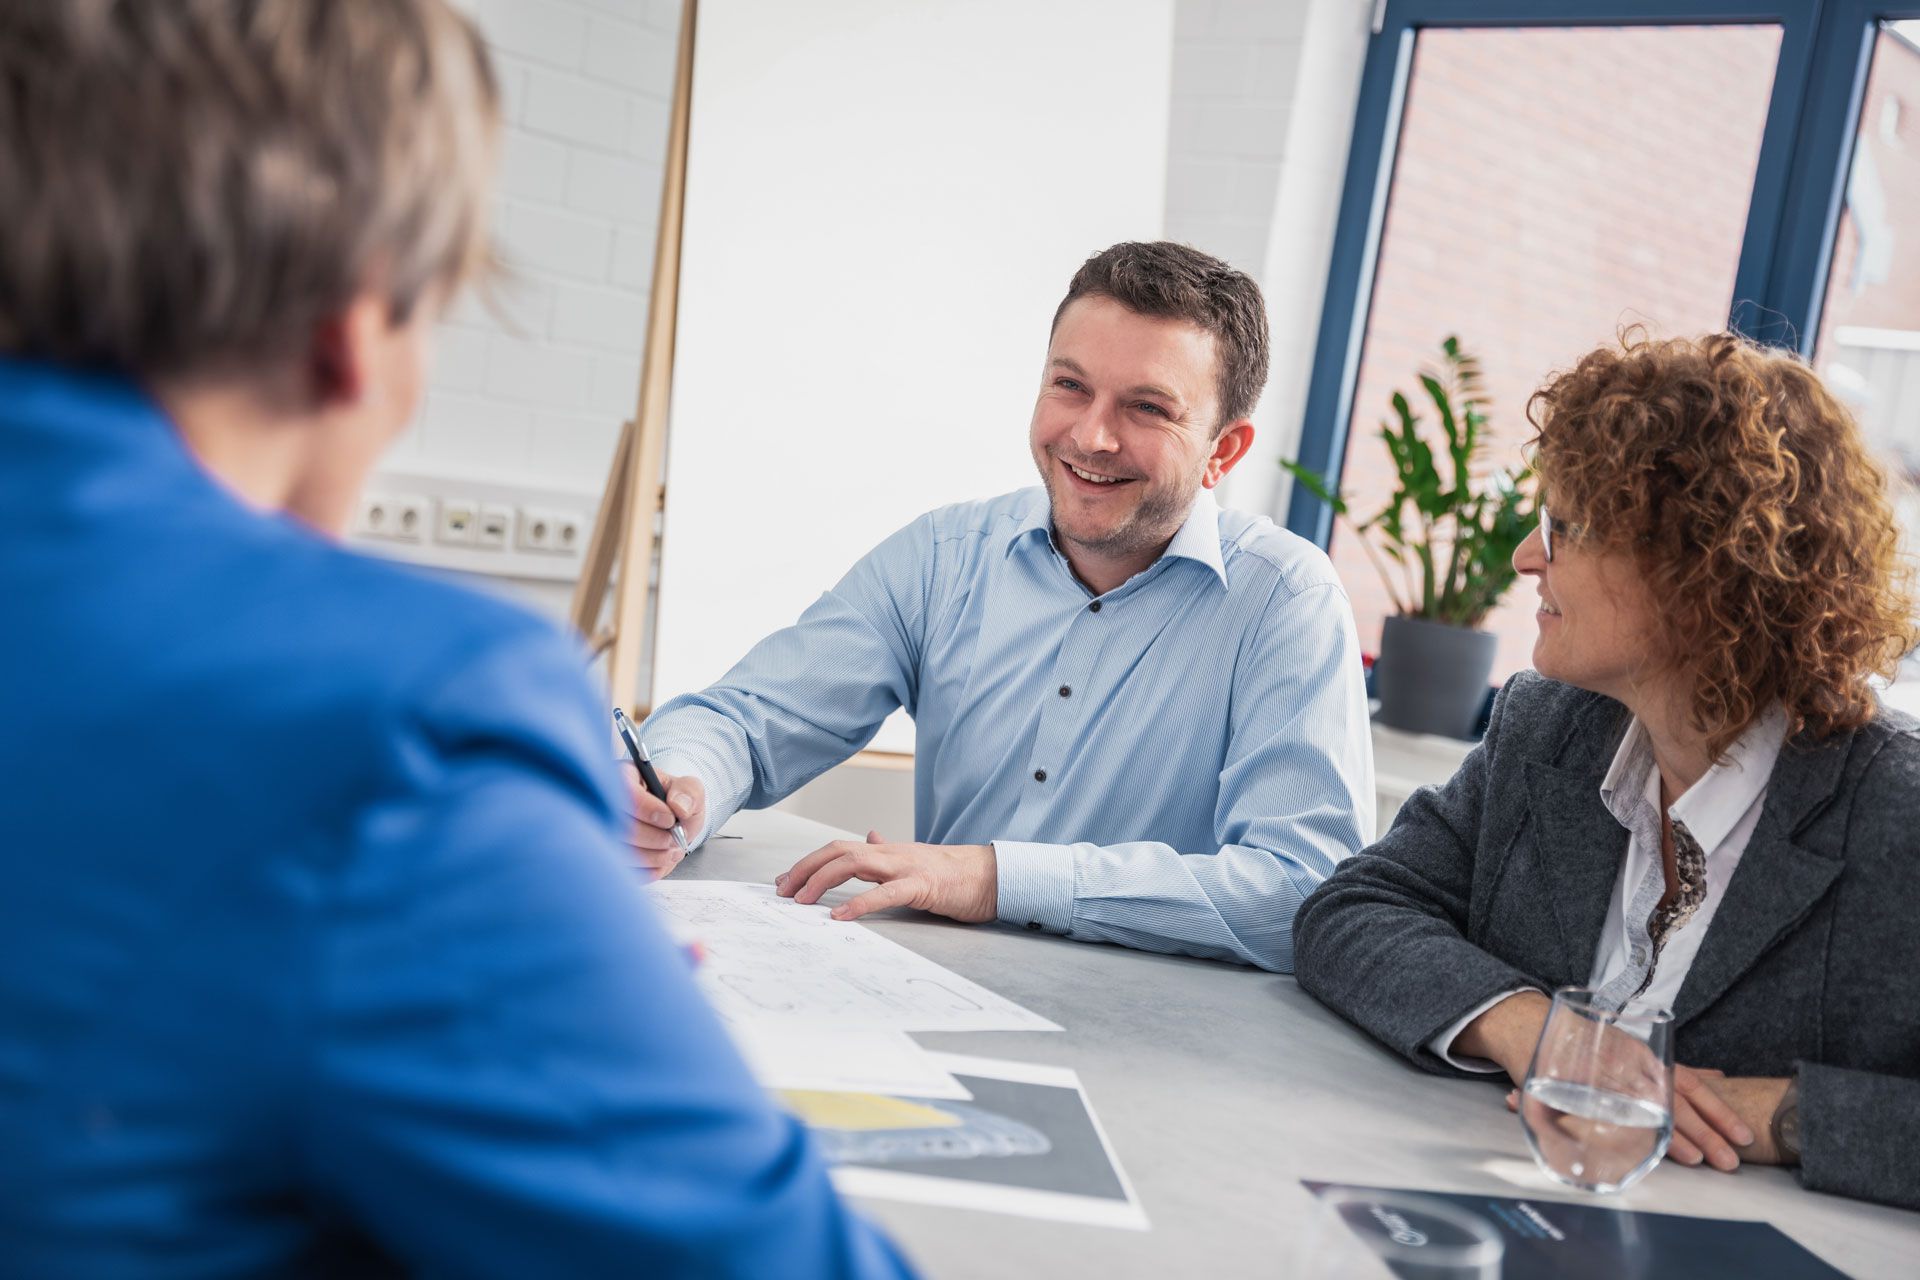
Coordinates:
<point>1229,447</point>
<point>342,351</point>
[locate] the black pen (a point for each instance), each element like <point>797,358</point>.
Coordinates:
<point>638,750</point>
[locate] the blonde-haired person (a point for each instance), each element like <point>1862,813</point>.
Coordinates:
<point>319,948</point>
<point>1698,802</point>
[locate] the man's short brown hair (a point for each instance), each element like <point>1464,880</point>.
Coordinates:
<point>193,184</point>
<point>1173,281</point>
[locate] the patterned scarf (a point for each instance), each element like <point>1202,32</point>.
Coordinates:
<point>1690,870</point>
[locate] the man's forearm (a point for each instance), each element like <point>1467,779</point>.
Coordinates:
<point>1236,904</point>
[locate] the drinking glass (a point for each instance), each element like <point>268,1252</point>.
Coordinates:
<point>1365,1233</point>
<point>1597,1105</point>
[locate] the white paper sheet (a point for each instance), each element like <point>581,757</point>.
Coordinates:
<point>844,1062</point>
<point>770,962</point>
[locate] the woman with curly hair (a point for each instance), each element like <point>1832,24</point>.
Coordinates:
<point>1698,803</point>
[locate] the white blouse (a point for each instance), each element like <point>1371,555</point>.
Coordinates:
<point>1720,811</point>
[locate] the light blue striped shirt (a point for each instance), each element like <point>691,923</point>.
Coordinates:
<point>1173,765</point>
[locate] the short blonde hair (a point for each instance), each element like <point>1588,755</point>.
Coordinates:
<point>188,185</point>
<point>1759,520</point>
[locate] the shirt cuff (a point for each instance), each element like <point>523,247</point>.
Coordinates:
<point>691,762</point>
<point>1442,1044</point>
<point>1036,884</point>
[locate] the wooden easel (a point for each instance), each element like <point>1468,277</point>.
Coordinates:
<point>624,531</point>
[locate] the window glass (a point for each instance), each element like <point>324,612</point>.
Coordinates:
<point>1551,185</point>
<point>1868,343</point>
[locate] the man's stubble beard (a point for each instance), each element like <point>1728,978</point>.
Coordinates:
<point>1149,527</point>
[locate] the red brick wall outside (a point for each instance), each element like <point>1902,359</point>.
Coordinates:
<point>1551,186</point>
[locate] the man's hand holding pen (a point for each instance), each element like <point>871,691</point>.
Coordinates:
<point>652,838</point>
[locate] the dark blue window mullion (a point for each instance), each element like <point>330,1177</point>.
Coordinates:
<point>1773,213</point>
<point>1356,248</point>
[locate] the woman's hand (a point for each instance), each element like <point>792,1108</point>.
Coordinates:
<point>1717,1120</point>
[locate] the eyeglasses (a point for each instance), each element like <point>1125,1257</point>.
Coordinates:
<point>1546,532</point>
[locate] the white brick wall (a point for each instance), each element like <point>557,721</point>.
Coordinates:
<point>534,391</point>
<point>1263,100</point>
<point>1234,62</point>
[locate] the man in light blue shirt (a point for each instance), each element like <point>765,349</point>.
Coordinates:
<point>1140,719</point>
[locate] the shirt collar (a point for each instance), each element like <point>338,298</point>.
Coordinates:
<point>1714,805</point>
<point>1198,538</point>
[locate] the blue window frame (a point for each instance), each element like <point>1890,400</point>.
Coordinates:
<point>1799,182</point>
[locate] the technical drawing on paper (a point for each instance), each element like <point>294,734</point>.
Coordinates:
<point>769,959</point>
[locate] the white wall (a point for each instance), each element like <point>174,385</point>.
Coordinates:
<point>1263,101</point>
<point>1259,98</point>
<point>1260,107</point>
<point>885,202</point>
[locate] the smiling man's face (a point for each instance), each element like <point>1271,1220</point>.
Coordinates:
<point>1123,431</point>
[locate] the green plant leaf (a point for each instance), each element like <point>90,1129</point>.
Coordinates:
<point>1316,484</point>
<point>1457,550</point>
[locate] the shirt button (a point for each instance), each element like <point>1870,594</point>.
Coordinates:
<point>1039,775</point>
<point>1066,691</point>
<point>1094,607</point>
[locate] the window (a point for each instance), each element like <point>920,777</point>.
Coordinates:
<point>1550,186</point>
<point>1868,343</point>
<point>1532,183</point>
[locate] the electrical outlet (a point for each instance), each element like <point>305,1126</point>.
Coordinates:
<point>458,518</point>
<point>568,534</point>
<point>410,512</point>
<point>494,528</point>
<point>374,515</point>
<point>472,524</point>
<point>538,530</point>
<point>401,517</point>
<point>560,533</point>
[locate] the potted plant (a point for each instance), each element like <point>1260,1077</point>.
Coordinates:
<point>1443,545</point>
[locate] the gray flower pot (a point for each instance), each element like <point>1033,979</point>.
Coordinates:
<point>1432,678</point>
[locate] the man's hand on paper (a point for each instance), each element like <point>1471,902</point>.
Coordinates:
<point>961,881</point>
<point>652,838</point>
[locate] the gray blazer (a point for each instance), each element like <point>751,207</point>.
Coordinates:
<point>1501,878</point>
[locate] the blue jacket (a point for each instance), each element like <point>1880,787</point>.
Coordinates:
<point>318,948</point>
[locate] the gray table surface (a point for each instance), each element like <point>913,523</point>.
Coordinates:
<point>1221,1087</point>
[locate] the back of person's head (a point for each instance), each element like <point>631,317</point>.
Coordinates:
<point>189,186</point>
<point>1760,523</point>
<point>1173,281</point>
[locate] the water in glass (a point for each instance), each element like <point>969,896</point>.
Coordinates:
<point>1597,1105</point>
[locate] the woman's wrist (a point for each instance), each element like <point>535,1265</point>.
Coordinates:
<point>1506,1033</point>
<point>1785,1126</point>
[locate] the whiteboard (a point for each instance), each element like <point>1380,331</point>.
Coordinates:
<point>884,204</point>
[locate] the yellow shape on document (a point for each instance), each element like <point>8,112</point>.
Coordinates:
<point>825,1110</point>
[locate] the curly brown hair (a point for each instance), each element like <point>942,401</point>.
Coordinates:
<point>1761,523</point>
